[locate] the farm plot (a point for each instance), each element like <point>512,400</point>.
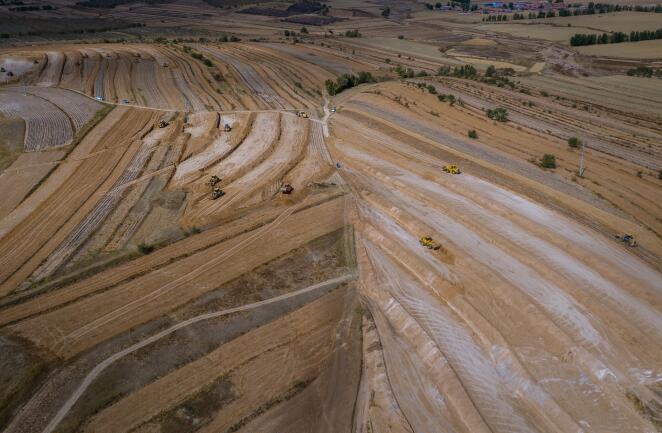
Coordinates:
<point>93,220</point>
<point>155,293</point>
<point>18,66</point>
<point>258,86</point>
<point>21,177</point>
<point>260,183</point>
<point>46,126</point>
<point>429,297</point>
<point>23,248</point>
<point>634,50</point>
<point>52,70</point>
<point>78,108</point>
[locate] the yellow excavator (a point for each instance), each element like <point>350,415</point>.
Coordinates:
<point>451,168</point>
<point>429,243</point>
<point>302,114</point>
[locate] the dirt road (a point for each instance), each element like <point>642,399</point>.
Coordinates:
<point>108,361</point>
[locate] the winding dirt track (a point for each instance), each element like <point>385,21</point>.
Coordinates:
<point>108,361</point>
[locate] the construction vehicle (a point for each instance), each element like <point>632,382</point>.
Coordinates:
<point>627,239</point>
<point>451,168</point>
<point>302,114</point>
<point>214,180</point>
<point>333,109</point>
<point>99,98</point>
<point>227,127</point>
<point>286,188</point>
<point>125,101</point>
<point>163,124</point>
<point>429,243</point>
<point>217,193</point>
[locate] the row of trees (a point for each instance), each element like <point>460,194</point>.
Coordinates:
<point>593,9</point>
<point>100,29</point>
<point>645,71</point>
<point>347,81</point>
<point>580,39</point>
<point>464,4</point>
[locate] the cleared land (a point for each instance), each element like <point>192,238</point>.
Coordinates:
<point>193,254</point>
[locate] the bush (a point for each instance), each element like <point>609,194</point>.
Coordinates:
<point>659,174</point>
<point>145,248</point>
<point>401,36</point>
<point>548,161</point>
<point>499,114</point>
<point>347,81</point>
<point>472,133</point>
<point>574,142</point>
<point>353,33</point>
<point>304,30</point>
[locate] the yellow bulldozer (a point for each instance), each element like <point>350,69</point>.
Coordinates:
<point>302,114</point>
<point>429,243</point>
<point>451,168</point>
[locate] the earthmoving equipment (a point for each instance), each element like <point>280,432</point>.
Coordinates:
<point>302,114</point>
<point>163,124</point>
<point>429,243</point>
<point>99,98</point>
<point>627,239</point>
<point>227,127</point>
<point>333,109</point>
<point>125,101</point>
<point>286,188</point>
<point>451,168</point>
<point>217,193</point>
<point>214,180</point>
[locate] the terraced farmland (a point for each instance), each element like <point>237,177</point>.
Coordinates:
<point>281,219</point>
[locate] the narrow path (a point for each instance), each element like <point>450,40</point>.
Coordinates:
<point>92,375</point>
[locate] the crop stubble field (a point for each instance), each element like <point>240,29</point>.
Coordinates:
<point>133,300</point>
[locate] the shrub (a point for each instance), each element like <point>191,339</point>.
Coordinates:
<point>401,36</point>
<point>548,161</point>
<point>145,248</point>
<point>353,33</point>
<point>472,133</point>
<point>659,174</point>
<point>574,142</point>
<point>499,114</point>
<point>304,30</point>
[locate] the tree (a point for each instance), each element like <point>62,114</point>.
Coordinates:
<point>548,161</point>
<point>353,33</point>
<point>574,142</point>
<point>386,12</point>
<point>499,114</point>
<point>304,30</point>
<point>472,133</point>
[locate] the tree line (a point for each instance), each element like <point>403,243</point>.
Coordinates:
<point>580,39</point>
<point>347,81</point>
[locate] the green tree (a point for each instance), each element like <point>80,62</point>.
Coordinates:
<point>499,114</point>
<point>548,161</point>
<point>472,133</point>
<point>574,142</point>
